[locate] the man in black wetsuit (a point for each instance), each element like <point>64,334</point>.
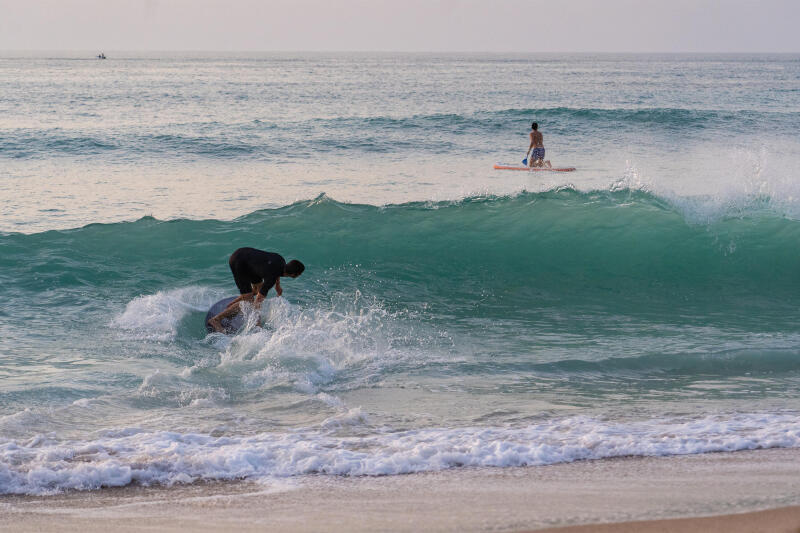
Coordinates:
<point>255,272</point>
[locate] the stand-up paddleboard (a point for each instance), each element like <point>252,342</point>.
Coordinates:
<point>229,325</point>
<point>501,166</point>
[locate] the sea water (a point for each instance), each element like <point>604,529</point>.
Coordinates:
<point>450,315</point>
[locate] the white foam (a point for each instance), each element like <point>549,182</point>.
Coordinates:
<point>304,348</point>
<point>330,400</point>
<point>120,457</point>
<point>174,389</point>
<point>157,316</point>
<point>307,347</point>
<point>349,417</point>
<point>712,181</point>
<point>631,180</point>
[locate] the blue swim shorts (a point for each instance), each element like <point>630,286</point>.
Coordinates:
<point>537,153</point>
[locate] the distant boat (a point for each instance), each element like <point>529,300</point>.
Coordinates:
<point>101,56</point>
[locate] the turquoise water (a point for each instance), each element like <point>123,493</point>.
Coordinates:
<point>449,315</point>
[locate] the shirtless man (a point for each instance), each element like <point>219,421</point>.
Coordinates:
<point>255,272</point>
<point>535,155</point>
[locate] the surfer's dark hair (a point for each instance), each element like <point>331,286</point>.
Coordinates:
<point>534,126</point>
<point>294,267</point>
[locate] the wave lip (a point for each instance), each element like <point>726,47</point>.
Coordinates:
<point>45,465</point>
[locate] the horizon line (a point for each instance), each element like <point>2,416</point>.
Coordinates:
<point>346,51</point>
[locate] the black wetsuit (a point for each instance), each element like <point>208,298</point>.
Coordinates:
<point>250,266</point>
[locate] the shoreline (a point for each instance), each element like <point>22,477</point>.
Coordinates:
<point>613,492</point>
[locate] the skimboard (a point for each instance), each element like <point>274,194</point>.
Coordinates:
<point>229,325</point>
<point>501,166</point>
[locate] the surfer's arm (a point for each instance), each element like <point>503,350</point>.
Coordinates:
<point>263,289</point>
<point>259,298</point>
<point>530,147</point>
<point>236,301</point>
<point>278,289</point>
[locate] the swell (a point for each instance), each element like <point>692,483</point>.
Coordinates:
<point>654,116</point>
<point>534,249</point>
<point>749,363</point>
<point>423,133</point>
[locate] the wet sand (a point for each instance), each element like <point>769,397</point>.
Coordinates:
<point>783,520</point>
<point>610,492</point>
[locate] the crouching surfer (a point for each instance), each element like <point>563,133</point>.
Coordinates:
<point>255,272</point>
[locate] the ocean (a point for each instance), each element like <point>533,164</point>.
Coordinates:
<point>450,315</point>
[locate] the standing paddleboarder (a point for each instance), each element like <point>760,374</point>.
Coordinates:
<point>255,272</point>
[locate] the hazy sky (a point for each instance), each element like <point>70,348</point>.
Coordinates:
<point>403,25</point>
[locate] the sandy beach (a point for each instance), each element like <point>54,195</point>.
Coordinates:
<point>744,491</point>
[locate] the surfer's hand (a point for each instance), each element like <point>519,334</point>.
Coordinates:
<point>278,289</point>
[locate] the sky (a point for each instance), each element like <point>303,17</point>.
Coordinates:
<point>402,25</point>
